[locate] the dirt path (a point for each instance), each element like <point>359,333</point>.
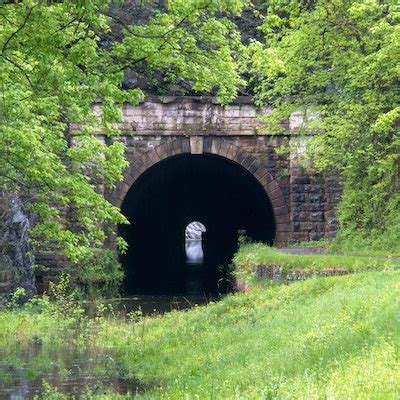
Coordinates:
<point>320,250</point>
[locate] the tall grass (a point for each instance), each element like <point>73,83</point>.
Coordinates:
<point>323,338</point>
<point>335,337</point>
<point>250,255</point>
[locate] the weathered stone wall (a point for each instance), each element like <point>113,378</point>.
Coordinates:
<point>16,255</point>
<point>166,126</point>
<point>303,200</point>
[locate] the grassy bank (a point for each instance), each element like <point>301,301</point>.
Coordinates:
<point>334,337</point>
<point>252,254</point>
<point>374,245</point>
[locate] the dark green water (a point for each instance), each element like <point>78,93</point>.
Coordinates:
<point>152,305</point>
<point>75,371</point>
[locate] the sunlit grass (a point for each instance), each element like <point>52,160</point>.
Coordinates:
<point>252,254</point>
<point>334,337</point>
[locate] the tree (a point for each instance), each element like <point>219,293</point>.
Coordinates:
<point>54,66</point>
<point>340,59</point>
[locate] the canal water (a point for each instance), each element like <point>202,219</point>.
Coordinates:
<point>71,371</point>
<point>74,371</point>
<point>151,305</point>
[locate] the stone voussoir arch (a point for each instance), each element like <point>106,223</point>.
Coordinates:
<point>223,148</point>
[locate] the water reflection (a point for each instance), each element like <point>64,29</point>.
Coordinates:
<point>71,370</point>
<point>194,251</point>
<point>74,370</point>
<point>151,305</point>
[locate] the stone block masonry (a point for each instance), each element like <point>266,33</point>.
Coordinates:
<point>303,200</point>
<point>16,258</point>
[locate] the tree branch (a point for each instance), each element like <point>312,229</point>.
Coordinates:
<point>18,30</point>
<point>66,25</point>
<point>20,68</point>
<point>128,28</point>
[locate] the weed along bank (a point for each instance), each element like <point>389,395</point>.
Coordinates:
<point>191,159</point>
<point>199,200</point>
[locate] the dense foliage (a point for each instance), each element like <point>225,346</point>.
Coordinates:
<point>54,67</point>
<point>338,61</point>
<point>335,338</point>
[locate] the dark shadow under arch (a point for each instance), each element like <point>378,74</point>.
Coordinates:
<point>221,193</point>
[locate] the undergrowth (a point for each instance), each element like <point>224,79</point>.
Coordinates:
<point>250,255</point>
<point>333,337</point>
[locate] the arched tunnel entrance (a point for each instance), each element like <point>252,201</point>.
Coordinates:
<point>218,193</point>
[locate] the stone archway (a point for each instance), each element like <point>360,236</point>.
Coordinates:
<point>222,148</point>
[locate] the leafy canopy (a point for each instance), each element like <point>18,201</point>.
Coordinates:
<point>53,68</point>
<point>337,58</point>
<point>340,58</point>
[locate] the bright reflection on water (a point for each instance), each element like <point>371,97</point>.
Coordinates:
<point>193,242</point>
<point>194,251</point>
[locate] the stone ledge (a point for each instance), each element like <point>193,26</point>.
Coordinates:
<point>277,273</point>
<point>195,99</point>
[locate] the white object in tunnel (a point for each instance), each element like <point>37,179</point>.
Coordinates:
<point>193,242</point>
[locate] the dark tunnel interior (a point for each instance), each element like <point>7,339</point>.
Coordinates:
<point>215,191</point>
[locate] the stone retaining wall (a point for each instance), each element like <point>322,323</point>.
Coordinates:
<point>161,127</point>
<point>16,254</point>
<point>166,126</point>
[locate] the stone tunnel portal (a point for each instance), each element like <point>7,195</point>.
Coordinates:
<point>220,193</point>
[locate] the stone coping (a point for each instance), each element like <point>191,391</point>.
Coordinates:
<point>190,99</point>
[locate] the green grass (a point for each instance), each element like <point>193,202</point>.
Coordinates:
<point>377,245</point>
<point>323,243</point>
<point>374,245</point>
<point>252,254</point>
<point>334,337</point>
